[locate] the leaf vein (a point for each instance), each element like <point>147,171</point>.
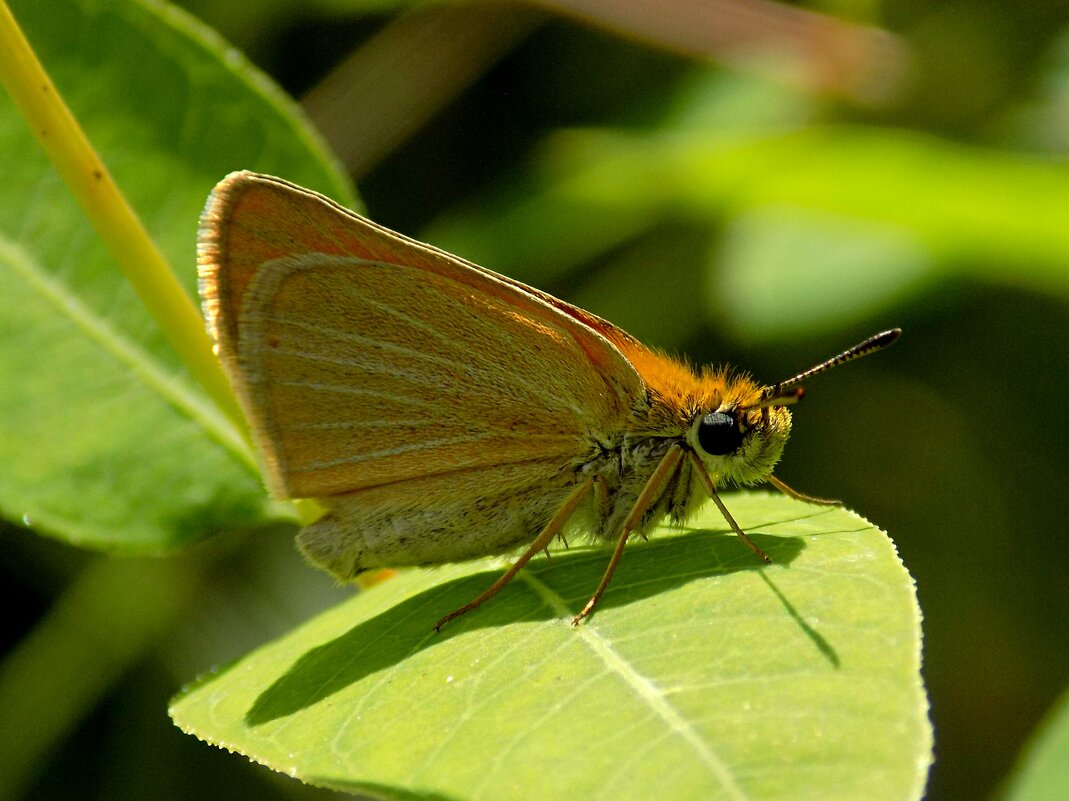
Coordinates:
<point>644,688</point>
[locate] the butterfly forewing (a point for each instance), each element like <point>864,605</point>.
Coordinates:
<point>391,373</point>
<point>372,360</point>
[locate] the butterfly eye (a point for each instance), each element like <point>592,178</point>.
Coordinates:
<point>719,433</point>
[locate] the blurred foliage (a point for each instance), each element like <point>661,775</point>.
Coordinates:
<point>731,211</point>
<point>1043,776</point>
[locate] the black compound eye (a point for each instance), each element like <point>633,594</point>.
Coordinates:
<point>719,433</point>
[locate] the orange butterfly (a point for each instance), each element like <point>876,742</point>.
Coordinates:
<point>441,412</point>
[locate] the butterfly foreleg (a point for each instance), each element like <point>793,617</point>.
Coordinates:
<point>551,530</point>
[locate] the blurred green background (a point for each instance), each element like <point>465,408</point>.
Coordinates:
<point>736,181</point>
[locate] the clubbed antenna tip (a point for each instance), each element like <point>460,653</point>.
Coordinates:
<point>790,391</point>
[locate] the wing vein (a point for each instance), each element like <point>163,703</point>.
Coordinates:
<point>348,389</point>
<point>370,342</point>
<point>416,446</point>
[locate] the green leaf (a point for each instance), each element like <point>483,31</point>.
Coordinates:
<point>1041,774</point>
<point>701,671</point>
<point>104,439</point>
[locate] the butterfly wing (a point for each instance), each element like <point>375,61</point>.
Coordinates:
<point>363,358</point>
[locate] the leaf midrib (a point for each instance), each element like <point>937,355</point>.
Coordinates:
<point>644,688</point>
<point>97,330</point>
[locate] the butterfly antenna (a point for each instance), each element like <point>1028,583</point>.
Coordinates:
<point>786,393</point>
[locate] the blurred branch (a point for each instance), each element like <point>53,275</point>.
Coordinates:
<point>863,63</point>
<point>389,88</point>
<point>392,85</point>
<point>103,624</point>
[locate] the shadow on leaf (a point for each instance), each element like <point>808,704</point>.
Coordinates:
<point>571,576</point>
<point>371,790</point>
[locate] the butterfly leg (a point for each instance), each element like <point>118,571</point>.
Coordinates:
<point>800,496</point>
<point>711,489</point>
<point>551,529</point>
<point>649,496</point>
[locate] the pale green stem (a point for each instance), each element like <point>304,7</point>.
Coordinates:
<point>111,215</point>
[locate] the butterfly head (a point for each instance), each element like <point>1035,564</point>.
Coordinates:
<point>740,443</point>
<point>741,439</point>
